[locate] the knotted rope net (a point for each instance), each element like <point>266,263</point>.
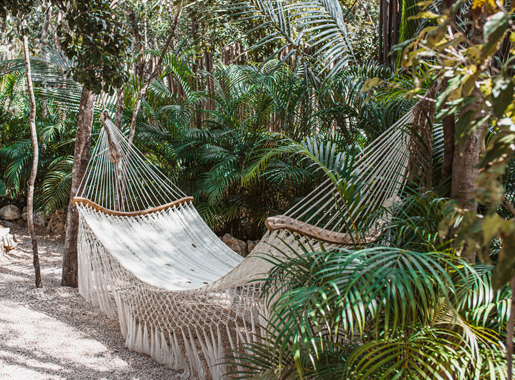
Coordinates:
<point>180,294</point>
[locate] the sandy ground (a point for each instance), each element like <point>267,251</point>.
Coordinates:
<point>52,333</point>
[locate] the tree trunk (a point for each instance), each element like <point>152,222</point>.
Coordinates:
<point>448,146</point>
<point>464,171</point>
<point>154,74</point>
<point>420,165</point>
<point>57,42</point>
<point>119,108</point>
<point>46,24</point>
<point>139,67</point>
<point>44,44</point>
<point>448,123</point>
<point>509,339</point>
<point>33,172</point>
<point>80,163</point>
<point>466,155</point>
<point>2,30</point>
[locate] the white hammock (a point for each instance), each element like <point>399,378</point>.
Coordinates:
<point>147,257</point>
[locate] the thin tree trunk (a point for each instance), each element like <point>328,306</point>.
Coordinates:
<point>466,156</point>
<point>395,27</point>
<point>154,74</point>
<point>381,36</point>
<point>57,42</point>
<point>448,146</point>
<point>509,338</point>
<point>2,30</point>
<point>139,67</point>
<point>421,151</point>
<point>80,163</point>
<point>46,24</point>
<point>448,122</point>
<point>139,98</point>
<point>44,44</point>
<point>119,108</point>
<point>33,172</point>
<point>367,13</point>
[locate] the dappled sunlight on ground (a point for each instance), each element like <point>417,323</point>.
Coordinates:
<point>52,333</point>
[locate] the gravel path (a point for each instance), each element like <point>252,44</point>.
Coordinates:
<point>52,333</point>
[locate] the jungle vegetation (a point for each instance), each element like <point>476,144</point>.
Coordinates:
<point>208,89</point>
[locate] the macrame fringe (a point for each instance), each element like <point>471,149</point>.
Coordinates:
<point>146,339</point>
<point>194,349</point>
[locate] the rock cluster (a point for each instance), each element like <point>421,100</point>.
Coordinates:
<point>10,212</point>
<point>251,244</point>
<point>239,246</point>
<point>57,222</point>
<point>39,217</point>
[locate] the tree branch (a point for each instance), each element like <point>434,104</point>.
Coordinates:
<point>509,205</point>
<point>154,74</point>
<point>368,14</point>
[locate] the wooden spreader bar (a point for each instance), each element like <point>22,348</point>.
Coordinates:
<point>96,206</point>
<point>281,222</point>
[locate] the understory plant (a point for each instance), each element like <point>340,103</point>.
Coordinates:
<point>378,313</point>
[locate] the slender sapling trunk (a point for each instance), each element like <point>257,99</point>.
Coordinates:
<point>35,157</point>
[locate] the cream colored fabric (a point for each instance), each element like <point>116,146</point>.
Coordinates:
<point>172,249</point>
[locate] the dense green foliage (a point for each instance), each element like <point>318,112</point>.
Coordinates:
<point>248,134</point>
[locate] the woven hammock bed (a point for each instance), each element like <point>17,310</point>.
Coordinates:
<point>147,258</point>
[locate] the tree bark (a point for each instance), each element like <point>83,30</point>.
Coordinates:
<point>139,67</point>
<point>43,45</point>
<point>33,172</point>
<point>509,338</point>
<point>80,163</point>
<point>57,42</point>
<point>464,171</point>
<point>119,108</point>
<point>420,165</point>
<point>466,155</point>
<point>2,30</point>
<point>46,24</point>
<point>448,124</point>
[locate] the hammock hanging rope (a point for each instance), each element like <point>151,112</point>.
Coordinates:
<point>148,258</point>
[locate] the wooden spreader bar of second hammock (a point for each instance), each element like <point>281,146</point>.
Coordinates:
<point>96,206</point>
<point>281,222</point>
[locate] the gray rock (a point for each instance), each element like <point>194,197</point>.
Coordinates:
<point>57,222</point>
<point>39,217</point>
<point>238,246</point>
<point>10,212</point>
<point>251,244</point>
